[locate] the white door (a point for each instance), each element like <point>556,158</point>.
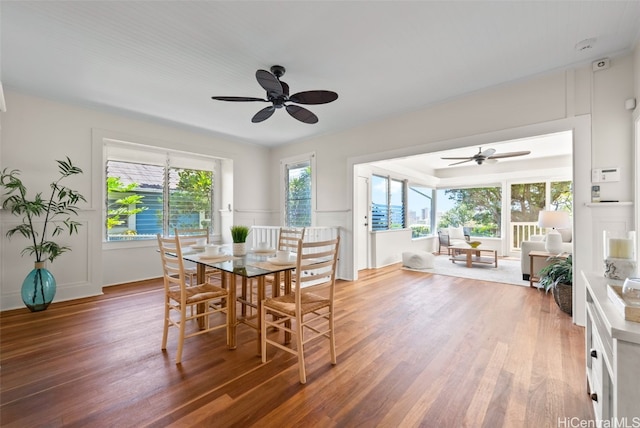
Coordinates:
<point>362,223</point>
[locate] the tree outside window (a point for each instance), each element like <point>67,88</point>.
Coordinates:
<point>122,203</point>
<point>189,198</point>
<point>478,209</point>
<point>298,195</point>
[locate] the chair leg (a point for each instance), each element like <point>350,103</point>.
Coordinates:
<point>263,334</point>
<point>300,348</point>
<point>332,341</point>
<point>165,332</point>
<point>183,315</point>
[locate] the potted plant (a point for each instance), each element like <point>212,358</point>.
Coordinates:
<point>558,277</point>
<point>239,236</point>
<point>39,287</point>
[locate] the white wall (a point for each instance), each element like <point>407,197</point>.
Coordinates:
<point>35,132</point>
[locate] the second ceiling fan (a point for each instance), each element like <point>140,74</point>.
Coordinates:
<point>278,96</point>
<point>485,155</point>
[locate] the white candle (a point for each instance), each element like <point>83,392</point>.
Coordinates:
<point>620,248</point>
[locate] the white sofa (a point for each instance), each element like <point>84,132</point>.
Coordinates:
<point>537,243</point>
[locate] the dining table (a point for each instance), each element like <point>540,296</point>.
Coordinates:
<point>251,268</point>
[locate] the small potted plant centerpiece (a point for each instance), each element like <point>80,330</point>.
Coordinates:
<point>39,287</point>
<point>558,277</point>
<point>239,236</point>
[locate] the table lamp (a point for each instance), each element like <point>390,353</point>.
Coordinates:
<point>553,220</point>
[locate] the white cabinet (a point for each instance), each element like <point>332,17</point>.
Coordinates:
<point>612,355</point>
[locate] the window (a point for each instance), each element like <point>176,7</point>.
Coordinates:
<point>528,199</point>
<point>419,210</point>
<point>298,195</point>
<point>479,209</point>
<point>387,203</point>
<point>150,192</point>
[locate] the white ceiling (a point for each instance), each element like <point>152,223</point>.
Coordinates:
<point>164,60</point>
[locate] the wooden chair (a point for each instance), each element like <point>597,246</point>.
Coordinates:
<point>189,237</point>
<point>287,241</point>
<point>288,238</point>
<point>178,296</point>
<point>309,306</point>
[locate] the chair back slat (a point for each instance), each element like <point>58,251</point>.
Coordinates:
<point>172,264</point>
<point>189,237</point>
<point>316,263</point>
<point>289,237</point>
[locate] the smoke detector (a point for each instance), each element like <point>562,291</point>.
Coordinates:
<point>585,44</point>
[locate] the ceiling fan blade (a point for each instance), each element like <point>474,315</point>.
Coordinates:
<point>486,153</point>
<point>458,163</point>
<point>263,114</point>
<point>314,97</point>
<point>285,88</point>
<point>509,155</point>
<point>269,82</point>
<point>467,157</point>
<point>302,114</point>
<point>239,99</point>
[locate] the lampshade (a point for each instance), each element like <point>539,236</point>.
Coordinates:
<point>553,219</point>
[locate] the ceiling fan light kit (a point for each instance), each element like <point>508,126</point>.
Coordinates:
<point>278,96</point>
<point>488,155</point>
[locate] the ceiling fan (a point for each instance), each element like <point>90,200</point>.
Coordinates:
<point>278,95</point>
<point>486,155</point>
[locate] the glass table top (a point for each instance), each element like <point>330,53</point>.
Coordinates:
<point>250,265</point>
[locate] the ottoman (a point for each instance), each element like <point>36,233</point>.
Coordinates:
<point>418,259</point>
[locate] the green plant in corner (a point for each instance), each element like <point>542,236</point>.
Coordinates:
<point>39,287</point>
<point>61,203</point>
<point>559,271</point>
<point>558,277</point>
<point>239,234</point>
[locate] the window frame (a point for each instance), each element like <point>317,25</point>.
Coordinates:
<point>389,199</point>
<point>293,161</point>
<point>432,211</point>
<point>126,151</point>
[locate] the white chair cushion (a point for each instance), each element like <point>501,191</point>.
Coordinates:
<point>418,260</point>
<point>456,233</point>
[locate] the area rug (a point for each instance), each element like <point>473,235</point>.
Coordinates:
<point>507,272</point>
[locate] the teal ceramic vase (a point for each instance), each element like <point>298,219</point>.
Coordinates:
<point>38,288</point>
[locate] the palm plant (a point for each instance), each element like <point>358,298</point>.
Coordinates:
<point>57,211</point>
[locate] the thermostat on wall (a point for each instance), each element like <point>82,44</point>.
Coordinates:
<point>605,175</point>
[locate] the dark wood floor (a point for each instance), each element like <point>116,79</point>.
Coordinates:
<point>414,349</point>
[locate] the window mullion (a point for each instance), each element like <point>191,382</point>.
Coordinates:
<point>166,205</point>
